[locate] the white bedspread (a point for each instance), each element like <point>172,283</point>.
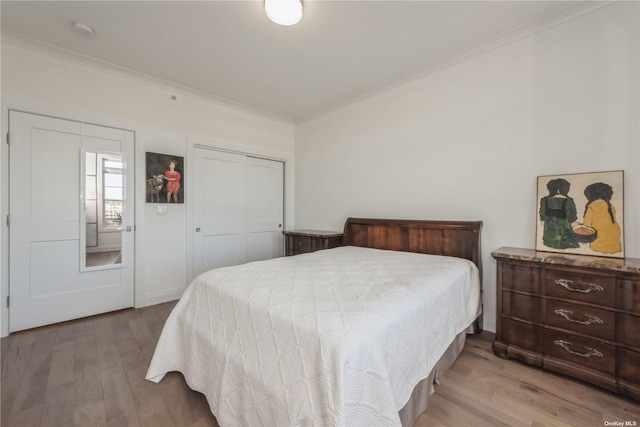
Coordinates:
<point>338,337</point>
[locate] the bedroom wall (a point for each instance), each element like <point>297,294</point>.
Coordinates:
<point>46,83</point>
<point>468,142</point>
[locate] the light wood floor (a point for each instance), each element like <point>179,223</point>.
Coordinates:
<point>90,372</point>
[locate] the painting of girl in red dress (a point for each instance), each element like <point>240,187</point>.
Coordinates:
<point>173,181</point>
<point>165,178</point>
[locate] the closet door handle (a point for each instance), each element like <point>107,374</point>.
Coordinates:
<point>198,230</point>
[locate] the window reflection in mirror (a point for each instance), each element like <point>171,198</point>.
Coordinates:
<point>104,209</point>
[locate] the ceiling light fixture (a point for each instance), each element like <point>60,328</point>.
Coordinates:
<point>82,29</point>
<point>284,12</point>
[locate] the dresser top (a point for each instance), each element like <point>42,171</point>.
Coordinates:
<point>629,265</point>
<point>313,233</point>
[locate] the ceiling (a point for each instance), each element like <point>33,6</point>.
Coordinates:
<point>229,51</point>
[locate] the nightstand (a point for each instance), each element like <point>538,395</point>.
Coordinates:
<point>306,241</point>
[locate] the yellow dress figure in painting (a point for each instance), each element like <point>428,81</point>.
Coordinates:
<point>600,214</point>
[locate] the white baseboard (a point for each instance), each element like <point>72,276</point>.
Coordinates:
<point>163,296</point>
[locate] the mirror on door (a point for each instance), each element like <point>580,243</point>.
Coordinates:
<point>102,213</point>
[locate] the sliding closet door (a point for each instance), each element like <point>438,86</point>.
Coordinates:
<point>219,209</point>
<point>238,209</point>
<point>265,209</point>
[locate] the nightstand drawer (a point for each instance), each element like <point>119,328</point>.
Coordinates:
<point>305,241</point>
<point>301,245</point>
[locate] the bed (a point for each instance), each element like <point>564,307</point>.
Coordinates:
<point>351,336</point>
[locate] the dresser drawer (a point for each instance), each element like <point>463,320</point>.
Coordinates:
<point>573,314</point>
<point>523,335</point>
<point>584,319</point>
<point>628,330</point>
<point>580,351</point>
<point>629,369</point>
<point>628,295</point>
<point>525,307</point>
<point>521,278</point>
<point>582,287</point>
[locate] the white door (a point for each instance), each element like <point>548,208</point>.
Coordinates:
<point>238,209</point>
<point>265,209</point>
<point>48,283</point>
<point>219,205</point>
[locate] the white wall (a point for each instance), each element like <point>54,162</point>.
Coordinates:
<point>468,142</point>
<point>46,83</point>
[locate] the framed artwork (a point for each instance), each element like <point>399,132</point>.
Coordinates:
<point>581,214</point>
<point>164,178</point>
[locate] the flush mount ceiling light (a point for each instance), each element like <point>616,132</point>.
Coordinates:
<point>284,12</point>
<point>82,29</point>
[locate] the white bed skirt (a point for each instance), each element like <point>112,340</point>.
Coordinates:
<point>419,399</point>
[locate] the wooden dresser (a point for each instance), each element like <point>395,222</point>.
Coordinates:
<point>576,315</point>
<point>305,241</point>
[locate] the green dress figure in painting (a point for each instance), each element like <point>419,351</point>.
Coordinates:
<point>558,212</point>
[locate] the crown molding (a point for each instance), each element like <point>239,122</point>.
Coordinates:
<point>571,11</point>
<point>87,61</point>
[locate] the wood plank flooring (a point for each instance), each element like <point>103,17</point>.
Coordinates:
<point>90,372</point>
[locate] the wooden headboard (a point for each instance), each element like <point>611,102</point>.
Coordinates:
<point>451,238</point>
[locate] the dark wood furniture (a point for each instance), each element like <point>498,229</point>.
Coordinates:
<point>572,314</point>
<point>305,241</point>
<point>459,239</point>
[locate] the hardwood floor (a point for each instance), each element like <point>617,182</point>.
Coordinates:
<point>90,372</point>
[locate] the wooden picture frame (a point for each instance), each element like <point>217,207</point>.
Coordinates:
<point>581,214</point>
<point>164,178</point>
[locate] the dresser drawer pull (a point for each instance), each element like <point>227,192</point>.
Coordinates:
<point>565,344</point>
<point>589,287</point>
<point>567,315</point>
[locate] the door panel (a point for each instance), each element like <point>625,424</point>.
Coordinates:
<point>45,282</point>
<point>219,205</point>
<point>238,209</point>
<point>222,250</point>
<point>55,188</point>
<point>265,209</point>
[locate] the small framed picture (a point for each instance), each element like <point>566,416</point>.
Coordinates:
<point>165,178</point>
<point>581,214</point>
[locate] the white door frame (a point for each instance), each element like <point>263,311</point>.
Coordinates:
<point>139,288</point>
<point>194,142</point>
